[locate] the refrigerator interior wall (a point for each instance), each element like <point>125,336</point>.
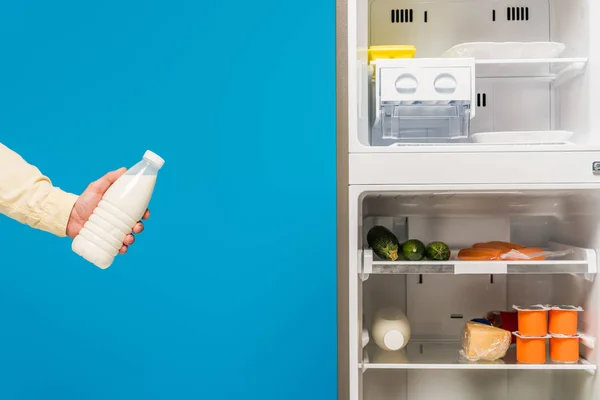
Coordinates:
<point>505,104</point>
<point>433,302</point>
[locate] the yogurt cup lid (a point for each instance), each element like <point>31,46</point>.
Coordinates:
<point>566,308</point>
<point>559,336</point>
<point>535,307</point>
<point>517,334</point>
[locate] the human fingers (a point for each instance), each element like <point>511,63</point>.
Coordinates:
<point>146,214</point>
<point>129,239</point>
<point>123,249</point>
<point>138,228</point>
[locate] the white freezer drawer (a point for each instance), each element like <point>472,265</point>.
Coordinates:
<point>422,101</point>
<point>426,84</point>
<point>474,168</point>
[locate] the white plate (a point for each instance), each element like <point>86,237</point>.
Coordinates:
<point>523,137</point>
<point>506,50</point>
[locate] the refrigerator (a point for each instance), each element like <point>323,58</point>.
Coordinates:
<point>465,122</point>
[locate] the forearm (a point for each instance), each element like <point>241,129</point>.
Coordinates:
<point>27,196</point>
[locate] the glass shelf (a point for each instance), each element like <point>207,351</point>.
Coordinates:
<point>555,70</point>
<point>579,261</point>
<point>445,355</point>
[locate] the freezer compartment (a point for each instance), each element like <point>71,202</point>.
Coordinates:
<point>540,48</point>
<point>414,122</point>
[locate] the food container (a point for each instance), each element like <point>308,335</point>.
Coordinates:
<point>531,350</point>
<point>533,320</point>
<point>563,320</point>
<point>506,320</point>
<point>506,50</point>
<point>421,100</point>
<point>376,52</point>
<point>564,349</point>
<point>390,52</point>
<point>509,321</point>
<point>390,329</point>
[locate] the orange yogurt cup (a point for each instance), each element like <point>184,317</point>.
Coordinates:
<point>562,320</point>
<point>532,320</point>
<point>531,350</point>
<point>564,349</point>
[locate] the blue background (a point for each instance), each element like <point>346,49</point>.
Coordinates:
<point>230,292</point>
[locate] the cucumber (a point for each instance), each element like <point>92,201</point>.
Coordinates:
<point>413,250</point>
<point>437,251</point>
<point>383,242</point>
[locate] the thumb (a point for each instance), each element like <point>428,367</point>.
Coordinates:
<point>107,180</point>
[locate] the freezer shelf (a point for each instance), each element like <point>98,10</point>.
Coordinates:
<point>556,70</point>
<point>580,261</point>
<point>445,355</point>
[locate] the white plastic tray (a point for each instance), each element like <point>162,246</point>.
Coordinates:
<point>445,355</point>
<point>506,50</point>
<point>579,261</point>
<point>523,137</point>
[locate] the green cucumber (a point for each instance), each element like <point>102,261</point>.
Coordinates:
<point>413,250</point>
<point>437,251</point>
<point>383,242</point>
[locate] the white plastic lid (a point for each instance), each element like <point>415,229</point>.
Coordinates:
<point>393,340</point>
<point>535,307</point>
<point>566,308</point>
<point>154,158</point>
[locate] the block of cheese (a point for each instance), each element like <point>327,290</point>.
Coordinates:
<point>484,342</point>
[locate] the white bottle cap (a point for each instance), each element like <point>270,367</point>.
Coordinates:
<point>154,159</point>
<point>393,340</point>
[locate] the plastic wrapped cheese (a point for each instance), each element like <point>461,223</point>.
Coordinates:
<point>484,342</point>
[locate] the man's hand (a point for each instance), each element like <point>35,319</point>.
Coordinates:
<point>87,202</point>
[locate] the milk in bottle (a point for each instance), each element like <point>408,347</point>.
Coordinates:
<point>390,329</point>
<point>121,207</point>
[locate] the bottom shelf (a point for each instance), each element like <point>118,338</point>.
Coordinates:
<point>445,355</point>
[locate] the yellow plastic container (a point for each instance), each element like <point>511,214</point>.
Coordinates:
<point>376,52</point>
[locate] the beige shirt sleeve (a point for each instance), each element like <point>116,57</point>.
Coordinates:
<point>29,197</point>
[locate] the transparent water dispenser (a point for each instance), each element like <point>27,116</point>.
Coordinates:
<point>422,101</point>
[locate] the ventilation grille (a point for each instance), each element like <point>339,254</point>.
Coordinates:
<point>401,16</point>
<point>517,13</point>
<point>481,100</point>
